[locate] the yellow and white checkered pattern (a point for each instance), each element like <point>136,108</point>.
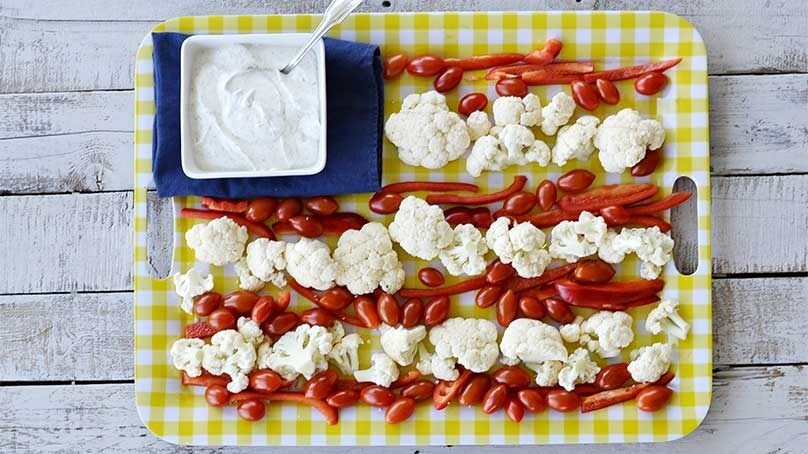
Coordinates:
<point>611,39</point>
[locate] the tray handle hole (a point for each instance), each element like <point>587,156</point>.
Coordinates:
<point>685,222</point>
<point>386,4</point>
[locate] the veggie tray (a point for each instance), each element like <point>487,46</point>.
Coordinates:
<point>181,414</point>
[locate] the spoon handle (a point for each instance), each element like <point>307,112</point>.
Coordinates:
<point>335,13</point>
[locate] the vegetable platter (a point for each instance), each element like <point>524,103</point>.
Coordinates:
<point>181,414</point>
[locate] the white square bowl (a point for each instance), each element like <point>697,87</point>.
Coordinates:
<point>188,53</point>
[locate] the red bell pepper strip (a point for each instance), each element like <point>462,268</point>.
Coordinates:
<point>608,398</point>
<point>541,293</point>
<point>604,196</point>
<point>256,228</point>
<point>446,391</point>
<point>206,379</point>
<point>339,223</point>
<point>631,72</point>
<point>405,379</point>
<point>585,389</point>
<point>513,71</point>
<point>565,67</point>
<point>330,413</point>
<point>543,77</point>
<point>229,205</point>
<point>519,182</point>
<point>650,221</point>
<point>304,291</point>
<point>484,61</point>
<point>199,330</point>
<point>658,206</point>
<point>610,293</point>
<point>474,283</point>
<point>548,218</point>
<point>666,378</point>
<point>546,54</point>
<point>519,284</point>
<point>436,186</point>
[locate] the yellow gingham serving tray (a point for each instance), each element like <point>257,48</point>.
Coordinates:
<point>180,415</point>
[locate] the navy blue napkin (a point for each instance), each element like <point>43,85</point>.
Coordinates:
<point>354,100</point>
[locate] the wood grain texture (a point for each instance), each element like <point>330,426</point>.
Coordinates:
<point>40,55</point>
<point>754,410</point>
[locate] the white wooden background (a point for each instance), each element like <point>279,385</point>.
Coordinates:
<point>66,245</point>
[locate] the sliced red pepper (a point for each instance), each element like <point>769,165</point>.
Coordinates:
<point>446,391</point>
<point>610,293</point>
<point>658,206</point>
<point>501,72</point>
<point>549,218</point>
<point>650,221</point>
<point>519,284</point>
<point>305,292</point>
<point>199,330</point>
<point>608,398</point>
<point>468,285</point>
<point>339,223</point>
<point>631,72</point>
<point>229,205</point>
<point>565,67</point>
<point>405,379</point>
<point>541,293</point>
<point>436,186</point>
<point>585,389</point>
<point>330,413</point>
<point>484,61</point>
<point>604,196</point>
<point>519,182</point>
<point>666,378</point>
<point>256,228</point>
<point>206,379</point>
<point>546,54</point>
<point>542,77</point>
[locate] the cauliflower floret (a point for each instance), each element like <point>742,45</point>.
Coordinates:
<point>571,332</point>
<point>610,251</point>
<point>420,228</point>
<point>649,271</point>
<point>472,341</point>
<point>466,254</point>
<point>309,262</point>
<point>665,317</point>
<point>187,356</point>
<point>649,363</point>
<point>575,141</point>
<point>366,260</point>
<point>190,285</point>
<point>522,246</point>
<point>218,242</point>
<point>573,240</point>
<point>440,368</point>
<point>246,280</point>
<point>426,133</point>
<point>546,372</point>
<point>513,145</point>
<point>656,247</point>
<point>486,154</point>
<point>557,113</point>
<point>345,354</point>
<point>229,353</point>
<point>478,124</point>
<point>267,260</point>
<point>301,352</point>
<point>653,248</point>
<point>383,372</point>
<point>262,352</point>
<point>401,343</point>
<point>513,110</point>
<point>250,331</point>
<point>578,368</point>
<point>531,341</point>
<point>612,330</point>
<point>622,140</point>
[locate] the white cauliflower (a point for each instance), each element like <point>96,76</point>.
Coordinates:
<point>546,372</point>
<point>186,354</point>
<point>229,353</point>
<point>466,253</point>
<point>656,247</point>
<point>345,354</point>
<point>250,331</point>
<point>401,343</point>
<point>301,352</point>
<point>218,242</point>
<point>426,133</point>
<point>366,260</point>
<point>531,341</point>
<point>266,260</point>
<point>622,140</point>
<point>609,332</point>
<point>440,368</point>
<point>478,124</point>
<point>513,145</point>
<point>383,372</point>
<point>575,141</point>
<point>263,351</point>
<point>190,285</point>
<point>574,240</point>
<point>471,341</point>
<point>571,332</point>
<point>653,248</point>
<point>578,368</point>
<point>420,228</point>
<point>512,110</point>
<point>611,251</point>
<point>665,317</point>
<point>649,363</point>
<point>247,280</point>
<point>557,113</point>
<point>522,246</point>
<point>309,262</point>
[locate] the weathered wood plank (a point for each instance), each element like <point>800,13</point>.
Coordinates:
<point>82,141</point>
<point>43,55</point>
<point>754,410</point>
<point>757,321</point>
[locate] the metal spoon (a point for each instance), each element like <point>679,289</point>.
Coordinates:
<point>335,13</point>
